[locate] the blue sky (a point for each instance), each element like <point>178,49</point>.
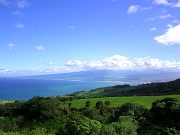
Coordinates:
<point>52,36</point>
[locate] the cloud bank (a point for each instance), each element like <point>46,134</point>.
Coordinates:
<point>116,62</point>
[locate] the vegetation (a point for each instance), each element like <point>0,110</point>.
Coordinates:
<point>79,115</point>
<point>58,116</point>
<point>164,88</point>
<point>117,101</point>
<point>6,101</point>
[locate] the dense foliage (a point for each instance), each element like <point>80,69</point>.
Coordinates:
<point>56,116</point>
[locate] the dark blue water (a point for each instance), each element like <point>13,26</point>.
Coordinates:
<point>22,89</point>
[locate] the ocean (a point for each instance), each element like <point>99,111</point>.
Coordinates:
<point>24,89</point>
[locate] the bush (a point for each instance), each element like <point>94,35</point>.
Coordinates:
<point>167,112</point>
<point>88,104</point>
<point>107,103</point>
<point>132,109</point>
<point>81,126</point>
<point>108,130</point>
<point>8,124</point>
<point>99,105</point>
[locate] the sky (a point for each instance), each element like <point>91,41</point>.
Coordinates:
<point>59,36</point>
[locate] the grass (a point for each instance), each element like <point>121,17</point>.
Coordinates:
<point>118,101</point>
<point>100,92</point>
<point>6,101</point>
<point>115,101</point>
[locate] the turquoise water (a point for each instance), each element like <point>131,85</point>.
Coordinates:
<point>22,89</point>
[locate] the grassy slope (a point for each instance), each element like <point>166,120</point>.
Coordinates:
<point>6,101</point>
<point>118,101</point>
<point>152,89</point>
<point>101,92</point>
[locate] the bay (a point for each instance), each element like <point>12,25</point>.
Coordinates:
<point>23,89</point>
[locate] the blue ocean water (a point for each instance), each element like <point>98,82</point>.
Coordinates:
<point>23,89</point>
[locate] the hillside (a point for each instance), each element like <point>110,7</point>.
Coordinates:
<point>163,88</point>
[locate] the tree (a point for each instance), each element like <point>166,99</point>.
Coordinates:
<point>90,113</point>
<point>125,126</point>
<point>69,105</point>
<point>88,104</point>
<point>132,109</point>
<point>167,112</point>
<point>99,105</point>
<point>81,126</point>
<point>108,130</point>
<point>107,103</point>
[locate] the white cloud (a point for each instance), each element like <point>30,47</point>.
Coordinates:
<point>15,3</point>
<point>161,2</point>
<point>40,48</point>
<point>133,9</point>
<point>169,25</point>
<point>167,3</point>
<point>11,46</point>
<point>52,63</point>
<point>165,16</point>
<point>176,21</point>
<point>171,37</point>
<point>22,4</point>
<point>136,8</point>
<point>177,4</point>
<point>163,11</point>
<point>153,29</point>
<point>116,62</point>
<point>149,19</point>
<point>19,25</point>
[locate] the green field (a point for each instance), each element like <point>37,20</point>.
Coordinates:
<point>115,101</point>
<point>118,101</point>
<point>6,101</point>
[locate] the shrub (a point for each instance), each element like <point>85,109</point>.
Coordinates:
<point>108,130</point>
<point>132,109</point>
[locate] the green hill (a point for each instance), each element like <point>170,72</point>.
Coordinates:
<point>163,88</point>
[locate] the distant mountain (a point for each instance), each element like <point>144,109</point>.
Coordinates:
<point>114,75</point>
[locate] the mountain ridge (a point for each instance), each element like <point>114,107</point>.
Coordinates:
<point>114,75</point>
